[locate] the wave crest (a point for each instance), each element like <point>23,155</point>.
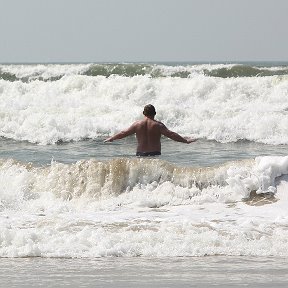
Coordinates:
<point>152,182</point>
<point>54,72</point>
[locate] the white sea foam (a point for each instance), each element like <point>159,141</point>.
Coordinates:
<point>78,107</point>
<point>144,207</point>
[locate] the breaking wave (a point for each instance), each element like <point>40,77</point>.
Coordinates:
<point>78,107</point>
<point>98,180</point>
<point>143,207</point>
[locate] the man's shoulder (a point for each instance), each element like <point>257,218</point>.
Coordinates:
<point>154,121</point>
<point>138,122</point>
<point>159,123</point>
<point>149,122</point>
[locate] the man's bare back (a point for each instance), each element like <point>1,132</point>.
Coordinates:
<point>148,133</point>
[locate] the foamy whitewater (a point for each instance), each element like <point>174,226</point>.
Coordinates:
<point>64,193</point>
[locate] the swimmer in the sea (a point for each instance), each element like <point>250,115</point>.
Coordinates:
<point>148,133</point>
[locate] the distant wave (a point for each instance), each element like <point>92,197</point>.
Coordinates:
<point>54,72</point>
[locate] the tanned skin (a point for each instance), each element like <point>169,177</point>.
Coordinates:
<point>148,133</point>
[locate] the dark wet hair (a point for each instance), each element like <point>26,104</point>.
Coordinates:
<point>149,110</point>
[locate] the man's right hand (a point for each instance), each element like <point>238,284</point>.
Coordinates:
<point>190,140</point>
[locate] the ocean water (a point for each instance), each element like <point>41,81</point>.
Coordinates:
<point>85,212</point>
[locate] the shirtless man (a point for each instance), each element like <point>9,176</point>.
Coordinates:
<point>148,133</point>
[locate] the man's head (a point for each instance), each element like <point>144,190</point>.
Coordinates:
<point>149,110</point>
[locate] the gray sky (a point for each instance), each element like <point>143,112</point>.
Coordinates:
<point>143,30</point>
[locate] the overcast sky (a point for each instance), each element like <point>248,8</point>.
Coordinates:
<point>143,30</point>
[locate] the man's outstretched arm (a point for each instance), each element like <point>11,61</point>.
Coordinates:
<point>131,130</point>
<point>175,136</point>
